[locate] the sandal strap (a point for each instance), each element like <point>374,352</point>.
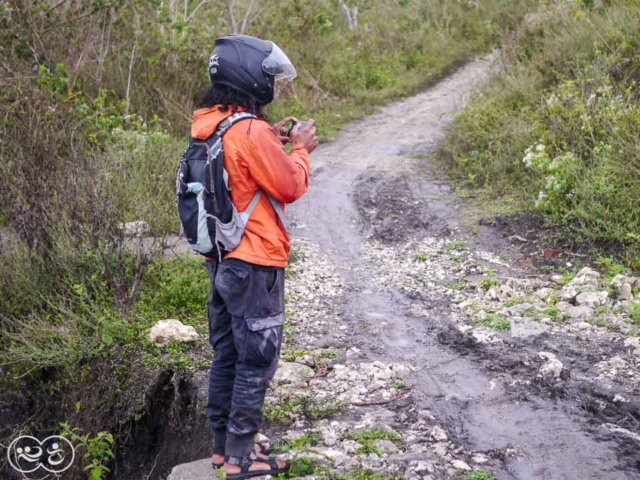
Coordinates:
<point>243,462</point>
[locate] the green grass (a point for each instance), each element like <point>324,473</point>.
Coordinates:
<point>479,475</point>
<point>176,288</point>
<point>457,245</point>
<point>362,474</point>
<point>516,301</point>
<point>329,354</point>
<point>367,438</point>
<point>459,285</point>
<point>609,267</point>
<point>421,257</point>
<point>634,314</point>
<point>399,385</point>
<point>487,283</point>
<point>553,313</point>
<point>602,309</point>
<point>284,410</point>
<point>311,438</point>
<point>496,322</point>
<point>290,354</point>
<point>599,322</point>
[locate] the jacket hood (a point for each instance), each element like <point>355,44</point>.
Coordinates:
<point>206,120</point>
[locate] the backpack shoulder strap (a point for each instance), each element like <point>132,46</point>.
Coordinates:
<point>254,201</point>
<point>231,120</point>
<point>220,131</point>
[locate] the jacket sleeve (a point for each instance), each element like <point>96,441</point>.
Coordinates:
<point>284,177</point>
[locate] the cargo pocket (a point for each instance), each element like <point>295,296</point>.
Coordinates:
<point>232,279</point>
<point>264,336</point>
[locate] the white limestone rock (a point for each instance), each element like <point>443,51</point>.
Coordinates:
<point>552,368</point>
<point>169,332</point>
<point>592,299</point>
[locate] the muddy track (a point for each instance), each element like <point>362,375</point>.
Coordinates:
<point>375,183</point>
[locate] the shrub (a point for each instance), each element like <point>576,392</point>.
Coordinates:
<point>556,129</point>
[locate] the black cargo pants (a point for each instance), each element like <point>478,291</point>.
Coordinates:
<point>246,318</point>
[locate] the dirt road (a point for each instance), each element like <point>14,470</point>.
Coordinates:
<point>374,184</point>
<point>433,334</point>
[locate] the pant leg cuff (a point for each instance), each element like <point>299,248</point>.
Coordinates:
<point>219,442</point>
<point>239,445</point>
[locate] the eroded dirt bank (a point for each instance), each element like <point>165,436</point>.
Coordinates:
<point>421,350</point>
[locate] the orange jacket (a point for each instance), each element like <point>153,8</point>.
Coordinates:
<point>255,158</point>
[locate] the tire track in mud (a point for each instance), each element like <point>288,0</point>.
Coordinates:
<point>374,184</point>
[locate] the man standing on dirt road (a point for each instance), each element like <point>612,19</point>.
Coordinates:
<point>246,302</point>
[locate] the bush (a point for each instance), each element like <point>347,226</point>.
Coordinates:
<point>175,289</point>
<point>557,129</point>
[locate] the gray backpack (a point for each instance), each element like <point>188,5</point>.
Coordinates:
<point>210,221</point>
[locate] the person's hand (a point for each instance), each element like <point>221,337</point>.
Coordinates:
<point>306,137</point>
<point>282,131</point>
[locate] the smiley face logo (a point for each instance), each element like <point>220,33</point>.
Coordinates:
<point>54,454</point>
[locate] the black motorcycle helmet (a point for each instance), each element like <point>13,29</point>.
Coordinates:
<point>249,65</point>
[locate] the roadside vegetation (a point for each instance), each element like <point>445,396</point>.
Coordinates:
<point>556,128</point>
<point>96,101</point>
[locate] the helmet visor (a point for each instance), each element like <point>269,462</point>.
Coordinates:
<point>279,65</point>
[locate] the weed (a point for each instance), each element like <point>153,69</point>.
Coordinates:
<point>599,322</point>
<point>284,411</point>
<point>567,275</point>
<point>609,267</point>
<point>399,385</point>
<point>176,288</point>
<point>531,313</point>
<point>98,450</point>
<point>220,473</point>
<point>302,467</point>
<point>553,313</point>
<point>489,272</point>
<point>421,257</point>
<point>281,412</point>
<point>316,412</point>
<point>479,475</point>
<point>496,322</point>
<point>459,285</point>
<point>363,475</point>
<point>290,354</point>
<point>329,354</point>
<point>634,314</point>
<point>457,245</point>
<point>488,283</point>
<point>311,438</point>
<point>516,300</point>
<point>367,439</point>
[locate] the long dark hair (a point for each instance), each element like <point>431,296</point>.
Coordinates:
<point>229,99</point>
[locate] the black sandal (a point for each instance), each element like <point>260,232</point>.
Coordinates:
<point>246,462</point>
<point>266,448</point>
